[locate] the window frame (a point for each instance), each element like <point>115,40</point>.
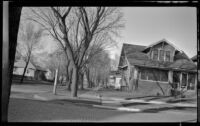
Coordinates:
<point>166,55</point>
<point>155,79</point>
<point>159,54</point>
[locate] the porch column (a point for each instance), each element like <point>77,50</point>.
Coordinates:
<point>195,83</point>
<point>170,76</point>
<point>181,76</point>
<point>135,77</point>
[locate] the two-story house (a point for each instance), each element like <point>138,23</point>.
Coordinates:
<point>157,68</point>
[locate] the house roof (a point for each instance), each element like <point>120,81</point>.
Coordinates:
<point>163,40</point>
<point>40,68</point>
<point>137,57</point>
<point>130,48</point>
<point>21,64</point>
<point>194,58</point>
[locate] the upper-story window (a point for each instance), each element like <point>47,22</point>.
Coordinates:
<point>167,56</point>
<point>161,55</point>
<point>155,54</point>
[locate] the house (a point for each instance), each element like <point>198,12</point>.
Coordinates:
<point>19,69</point>
<point>32,71</point>
<point>156,68</point>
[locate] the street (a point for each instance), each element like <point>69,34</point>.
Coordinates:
<point>21,110</point>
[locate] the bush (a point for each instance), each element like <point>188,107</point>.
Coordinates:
<point>176,93</point>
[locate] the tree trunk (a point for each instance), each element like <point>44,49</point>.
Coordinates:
<point>55,82</point>
<point>69,80</point>
<point>88,78</point>
<point>9,49</point>
<point>81,79</point>
<point>74,83</point>
<point>22,79</point>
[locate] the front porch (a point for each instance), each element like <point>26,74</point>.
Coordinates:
<point>183,80</point>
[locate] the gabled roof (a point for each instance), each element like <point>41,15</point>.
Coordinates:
<point>21,64</point>
<point>130,48</point>
<point>163,40</point>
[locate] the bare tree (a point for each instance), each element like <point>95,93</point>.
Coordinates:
<point>28,42</point>
<point>75,28</point>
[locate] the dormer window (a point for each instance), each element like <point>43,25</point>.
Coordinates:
<point>161,55</point>
<point>155,54</point>
<point>167,56</point>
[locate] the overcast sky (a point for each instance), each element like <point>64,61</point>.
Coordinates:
<point>146,25</point>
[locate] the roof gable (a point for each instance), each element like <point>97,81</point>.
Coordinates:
<point>163,40</point>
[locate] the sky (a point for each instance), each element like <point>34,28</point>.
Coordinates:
<point>146,25</point>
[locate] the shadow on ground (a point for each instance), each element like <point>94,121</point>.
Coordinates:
<point>156,110</point>
<point>21,110</point>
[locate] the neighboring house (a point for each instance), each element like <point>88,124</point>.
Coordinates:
<point>194,59</point>
<point>19,69</point>
<point>152,69</point>
<point>114,79</point>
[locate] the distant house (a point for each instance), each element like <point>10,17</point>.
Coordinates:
<point>32,71</point>
<point>19,69</point>
<point>152,69</point>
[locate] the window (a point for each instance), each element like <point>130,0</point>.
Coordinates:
<point>163,75</point>
<point>151,76</point>
<point>155,54</point>
<point>143,74</point>
<point>161,56</point>
<point>154,75</point>
<point>167,56</point>
<point>191,82</point>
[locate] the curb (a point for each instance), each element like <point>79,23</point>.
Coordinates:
<point>118,108</point>
<point>121,101</point>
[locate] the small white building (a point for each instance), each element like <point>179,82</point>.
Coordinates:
<point>115,79</point>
